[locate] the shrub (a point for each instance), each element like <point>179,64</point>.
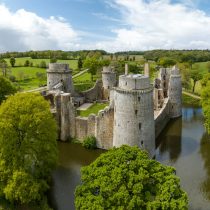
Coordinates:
<point>89,142</point>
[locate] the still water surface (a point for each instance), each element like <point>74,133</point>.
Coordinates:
<point>183,144</point>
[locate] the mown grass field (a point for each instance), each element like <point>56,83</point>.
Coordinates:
<point>20,62</point>
<point>94,109</point>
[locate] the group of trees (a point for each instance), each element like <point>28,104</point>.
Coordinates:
<point>28,148</point>
<point>51,54</point>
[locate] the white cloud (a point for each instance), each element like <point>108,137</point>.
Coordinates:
<point>156,24</point>
<point>23,30</point>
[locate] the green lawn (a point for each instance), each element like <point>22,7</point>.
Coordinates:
<point>187,100</point>
<point>20,62</point>
<point>86,77</point>
<point>94,109</point>
<point>202,66</point>
<point>30,84</point>
<point>29,72</point>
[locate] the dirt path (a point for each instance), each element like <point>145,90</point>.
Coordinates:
<point>192,95</point>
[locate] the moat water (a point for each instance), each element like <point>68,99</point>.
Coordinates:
<point>183,144</point>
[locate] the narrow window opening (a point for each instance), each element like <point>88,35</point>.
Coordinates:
<point>142,143</point>
<point>136,112</point>
<point>139,98</point>
<point>139,126</point>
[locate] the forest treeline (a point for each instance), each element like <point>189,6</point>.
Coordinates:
<point>191,56</point>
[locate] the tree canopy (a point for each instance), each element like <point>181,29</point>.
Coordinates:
<point>12,61</point>
<point>6,88</point>
<point>125,178</point>
<point>205,95</point>
<point>28,147</point>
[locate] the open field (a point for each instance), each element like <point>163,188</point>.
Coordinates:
<point>94,109</point>
<point>29,72</point>
<point>21,61</point>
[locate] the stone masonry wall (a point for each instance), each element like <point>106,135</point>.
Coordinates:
<point>100,126</point>
<point>94,93</point>
<point>162,118</point>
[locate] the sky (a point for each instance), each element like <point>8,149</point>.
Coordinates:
<point>111,25</point>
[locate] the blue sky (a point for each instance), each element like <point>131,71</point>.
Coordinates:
<point>112,25</point>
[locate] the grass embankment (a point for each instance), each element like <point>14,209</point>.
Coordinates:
<point>94,109</point>
<point>189,100</point>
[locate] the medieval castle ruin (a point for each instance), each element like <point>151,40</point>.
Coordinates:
<point>136,113</point>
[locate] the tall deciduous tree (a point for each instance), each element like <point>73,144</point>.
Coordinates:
<point>80,63</point>
<point>12,61</point>
<point>166,62</point>
<point>28,147</point>
<point>6,88</point>
<point>195,75</point>
<point>205,95</point>
<point>92,64</point>
<point>125,178</point>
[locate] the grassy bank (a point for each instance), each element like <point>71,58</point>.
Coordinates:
<point>188,100</point>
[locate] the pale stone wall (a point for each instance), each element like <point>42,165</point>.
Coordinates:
<point>94,93</point>
<point>67,117</point>
<point>164,76</point>
<point>133,82</point>
<point>100,126</point>
<point>162,118</point>
<point>81,128</point>
<point>134,113</point>
<point>60,73</point>
<point>108,78</point>
<point>104,128</point>
<point>175,93</point>
<point>109,81</point>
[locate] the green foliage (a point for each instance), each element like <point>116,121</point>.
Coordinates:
<point>80,63</point>
<point>12,61</point>
<point>43,64</point>
<point>6,88</point>
<point>195,75</point>
<point>166,62</point>
<point>53,60</point>
<point>89,142</point>
<point>27,63</point>
<point>188,100</point>
<point>92,64</point>
<point>28,147</point>
<point>205,95</point>
<point>125,178</point>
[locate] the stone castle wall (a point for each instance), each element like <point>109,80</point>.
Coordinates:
<point>94,93</point>
<point>100,126</point>
<point>134,113</point>
<point>60,73</point>
<point>162,118</point>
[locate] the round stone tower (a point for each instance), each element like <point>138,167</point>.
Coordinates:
<point>175,93</point>
<point>59,76</point>
<point>134,113</point>
<point>109,81</point>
